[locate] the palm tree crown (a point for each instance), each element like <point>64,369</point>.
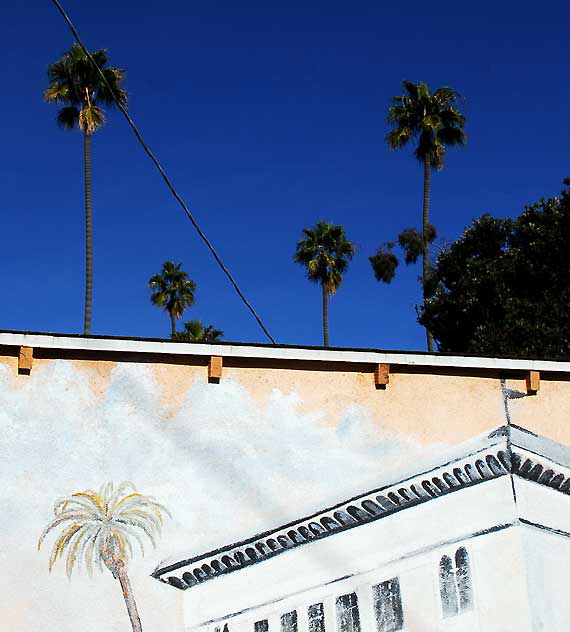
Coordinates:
<point>172,290</point>
<point>73,80</point>
<point>431,118</point>
<point>195,330</point>
<point>98,527</point>
<point>325,252</point>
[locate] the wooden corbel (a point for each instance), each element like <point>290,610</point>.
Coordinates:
<point>25,360</point>
<point>532,382</point>
<point>215,369</point>
<point>381,375</point>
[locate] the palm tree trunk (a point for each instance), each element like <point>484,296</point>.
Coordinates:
<point>325,316</point>
<point>173,323</point>
<point>425,257</point>
<point>88,234</point>
<point>130,600</point>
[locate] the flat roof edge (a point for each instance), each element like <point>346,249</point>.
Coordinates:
<point>273,352</point>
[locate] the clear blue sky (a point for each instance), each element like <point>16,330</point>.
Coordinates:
<point>268,116</point>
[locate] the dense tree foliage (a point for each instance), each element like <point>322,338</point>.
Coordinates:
<point>503,288</point>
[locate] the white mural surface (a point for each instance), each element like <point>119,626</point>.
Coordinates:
<point>224,465</point>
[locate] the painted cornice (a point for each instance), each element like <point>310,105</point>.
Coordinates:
<point>507,450</point>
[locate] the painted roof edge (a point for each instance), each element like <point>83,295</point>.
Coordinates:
<point>112,344</point>
<point>507,450</point>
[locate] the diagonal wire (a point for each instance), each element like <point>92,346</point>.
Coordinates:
<point>163,173</point>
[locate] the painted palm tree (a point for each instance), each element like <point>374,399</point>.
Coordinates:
<point>194,330</point>
<point>172,290</point>
<point>432,120</point>
<point>325,252</point>
<point>75,82</point>
<point>98,527</point>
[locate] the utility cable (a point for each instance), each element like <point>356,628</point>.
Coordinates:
<point>163,173</point>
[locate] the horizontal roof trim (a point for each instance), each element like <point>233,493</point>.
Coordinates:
<point>524,455</point>
<point>272,352</point>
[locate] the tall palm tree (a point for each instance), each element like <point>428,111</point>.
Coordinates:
<point>172,290</point>
<point>325,252</point>
<point>435,123</point>
<point>98,526</point>
<point>75,82</point>
<point>194,330</point>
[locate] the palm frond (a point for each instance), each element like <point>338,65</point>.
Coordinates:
<point>62,542</point>
<point>68,117</point>
<point>91,118</point>
<point>56,92</point>
<point>90,547</point>
<point>76,545</point>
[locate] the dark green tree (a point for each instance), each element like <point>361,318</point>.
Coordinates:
<point>503,288</point>
<point>325,252</point>
<point>195,331</point>
<point>75,82</point>
<point>172,290</point>
<point>384,263</point>
<point>434,123</point>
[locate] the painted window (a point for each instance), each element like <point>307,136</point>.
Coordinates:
<point>455,584</point>
<point>289,621</point>
<point>316,618</point>
<point>261,626</point>
<point>347,613</point>
<point>463,579</point>
<point>388,606</point>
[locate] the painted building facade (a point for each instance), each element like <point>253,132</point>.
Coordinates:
<point>470,544</point>
<point>466,526</point>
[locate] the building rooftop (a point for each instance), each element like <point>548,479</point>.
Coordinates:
<point>69,343</point>
<point>506,450</point>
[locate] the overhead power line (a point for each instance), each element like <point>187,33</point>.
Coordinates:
<point>163,173</point>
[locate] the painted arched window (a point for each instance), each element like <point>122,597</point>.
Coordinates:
<point>316,614</point>
<point>289,621</point>
<point>261,626</point>
<point>455,585</point>
<point>348,617</point>
<point>463,579</point>
<point>387,603</point>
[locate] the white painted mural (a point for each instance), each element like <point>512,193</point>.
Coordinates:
<point>273,441</point>
<point>222,464</point>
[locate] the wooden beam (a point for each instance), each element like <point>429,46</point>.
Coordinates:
<point>25,360</point>
<point>381,375</point>
<point>215,369</point>
<point>532,382</point>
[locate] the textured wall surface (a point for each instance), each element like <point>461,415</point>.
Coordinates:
<point>262,447</point>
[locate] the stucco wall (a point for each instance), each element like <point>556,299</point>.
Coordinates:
<point>548,579</point>
<point>272,441</point>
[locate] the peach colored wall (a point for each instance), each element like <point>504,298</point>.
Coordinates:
<point>426,405</point>
<point>428,408</point>
<point>548,412</point>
